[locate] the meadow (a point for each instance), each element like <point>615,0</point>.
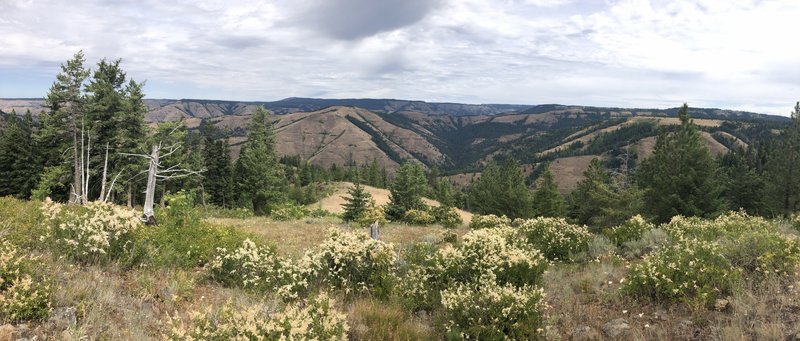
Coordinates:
<point>95,272</point>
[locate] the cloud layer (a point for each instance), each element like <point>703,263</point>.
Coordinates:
<point>627,53</point>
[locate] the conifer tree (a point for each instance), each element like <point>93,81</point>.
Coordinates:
<point>406,190</point>
<point>261,180</point>
<point>547,201</point>
<point>356,203</point>
<point>783,168</point>
<point>680,177</point>
<point>218,175</point>
<point>18,167</point>
<point>501,191</point>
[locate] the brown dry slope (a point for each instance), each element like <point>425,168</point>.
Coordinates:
<point>333,203</point>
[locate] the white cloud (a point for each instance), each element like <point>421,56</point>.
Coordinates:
<point>629,53</point>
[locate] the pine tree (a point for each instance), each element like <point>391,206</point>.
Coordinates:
<point>587,201</point>
<point>218,177</point>
<point>261,180</point>
<point>783,168</point>
<point>406,190</point>
<point>680,177</point>
<point>18,167</point>
<point>743,188</point>
<point>547,201</point>
<point>501,191</point>
<point>357,202</point>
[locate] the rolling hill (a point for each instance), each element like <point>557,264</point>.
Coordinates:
<point>457,138</point>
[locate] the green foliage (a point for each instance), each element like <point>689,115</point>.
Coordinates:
<point>601,200</point>
<point>49,180</point>
<point>373,214</point>
<point>492,312</point>
<point>251,266</point>
<point>488,221</point>
<point>18,167</point>
<point>555,237</point>
<point>501,191</point>
<point>446,216</point>
<point>406,190</point>
<point>182,239</point>
<point>356,203</point>
<point>762,253</point>
<point>419,217</point>
<point>547,201</point>
<point>691,271</point>
<point>743,188</point>
<point>218,177</point>
<point>261,181</point>
<point>219,212</point>
<point>289,211</point>
<point>629,231</point>
<point>680,178</point>
<point>783,170</point>
<point>23,295</point>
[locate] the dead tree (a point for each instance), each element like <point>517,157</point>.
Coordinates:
<point>160,149</point>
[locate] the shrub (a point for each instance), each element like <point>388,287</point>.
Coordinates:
<point>289,211</point>
<point>313,319</point>
<point>794,220</point>
<point>94,232</point>
<point>182,239</point>
<point>489,254</point>
<point>22,297</point>
<point>418,217</point>
<point>232,213</point>
<point>628,231</point>
<point>22,222</point>
<point>556,238</point>
<point>353,262</point>
<point>692,271</point>
<point>487,311</point>
<point>731,223</point>
<point>651,240</point>
<point>446,216</point>
<point>371,215</point>
<point>488,221</point>
<point>763,253</point>
<point>248,266</point>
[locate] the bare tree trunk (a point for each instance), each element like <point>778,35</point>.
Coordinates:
<point>77,168</point>
<point>149,196</point>
<point>86,165</point>
<point>130,194</point>
<point>103,196</point>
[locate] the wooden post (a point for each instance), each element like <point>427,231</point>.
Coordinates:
<point>373,230</point>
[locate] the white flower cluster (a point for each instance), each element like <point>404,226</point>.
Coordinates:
<point>734,222</point>
<point>351,261</point>
<point>630,230</point>
<point>313,319</point>
<point>488,221</point>
<point>21,297</point>
<point>555,237</point>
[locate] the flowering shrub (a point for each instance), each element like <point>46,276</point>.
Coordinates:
<point>96,231</point>
<point>760,253</point>
<point>488,221</point>
<point>447,216</point>
<point>489,254</point>
<point>556,238</point>
<point>629,231</point>
<point>372,214</point>
<point>313,319</point>
<point>353,262</point>
<point>794,220</point>
<point>289,211</point>
<point>731,223</point>
<point>21,296</point>
<point>692,270</point>
<point>487,311</point>
<point>248,266</point>
<point>418,217</point>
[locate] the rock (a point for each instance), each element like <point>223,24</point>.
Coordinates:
<point>615,328</point>
<point>585,333</point>
<point>63,318</point>
<point>721,304</point>
<point>7,332</point>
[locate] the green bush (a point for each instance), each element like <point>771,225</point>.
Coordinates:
<point>628,231</point>
<point>22,222</point>
<point>731,223</point>
<point>650,241</point>
<point>446,216</point>
<point>352,262</point>
<point>555,237</point>
<point>91,233</point>
<point>692,271</point>
<point>289,211</point>
<point>181,239</point>
<point>762,253</point>
<point>231,213</point>
<point>371,215</point>
<point>418,217</point>
<point>488,221</point>
<point>23,296</point>
<point>487,311</point>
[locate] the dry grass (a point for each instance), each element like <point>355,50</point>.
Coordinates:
<point>375,320</point>
<point>293,238</point>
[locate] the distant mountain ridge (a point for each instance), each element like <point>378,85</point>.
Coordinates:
<point>457,138</point>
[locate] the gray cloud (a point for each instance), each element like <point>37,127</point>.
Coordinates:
<point>357,19</point>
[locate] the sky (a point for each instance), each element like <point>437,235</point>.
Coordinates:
<point>739,54</point>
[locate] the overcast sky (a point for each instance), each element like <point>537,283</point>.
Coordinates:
<point>723,53</point>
